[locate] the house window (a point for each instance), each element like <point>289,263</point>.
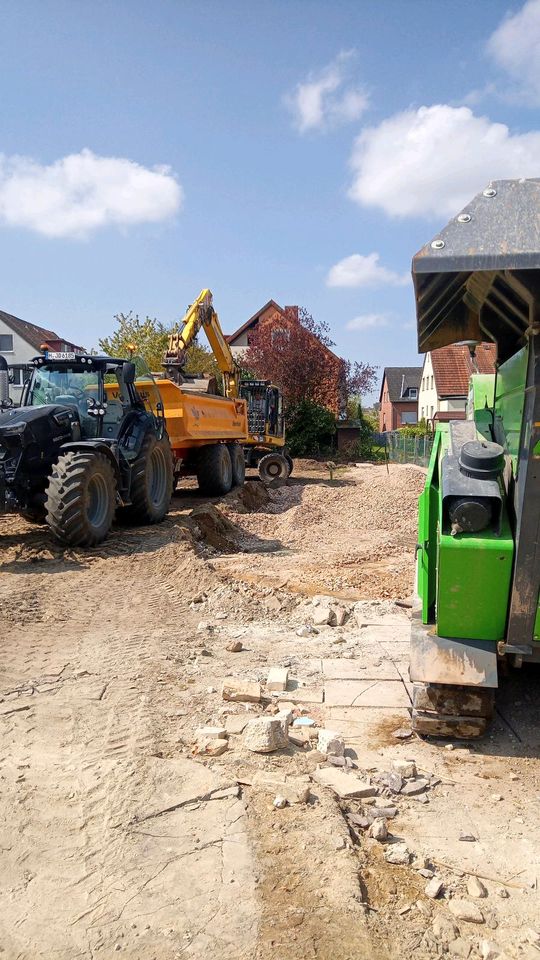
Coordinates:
<point>6,343</point>
<point>432,382</point>
<point>280,334</point>
<point>422,413</point>
<point>413,393</point>
<point>16,376</point>
<point>432,412</point>
<point>409,417</point>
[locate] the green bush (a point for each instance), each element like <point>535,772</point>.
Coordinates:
<point>419,429</point>
<point>310,429</point>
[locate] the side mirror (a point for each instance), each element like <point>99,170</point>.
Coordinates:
<point>128,373</point>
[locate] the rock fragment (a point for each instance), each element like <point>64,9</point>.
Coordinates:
<point>403,733</point>
<point>444,929</point>
<point>405,768</point>
<point>412,787</point>
<point>378,829</point>
<point>235,646</point>
<point>213,748</point>
<point>306,630</point>
<point>246,692</point>
<point>434,888</point>
<point>280,802</point>
<point>212,733</point>
<point>465,910</point>
<point>235,723</point>
<point>329,742</point>
<point>277,679</point>
<point>322,616</point>
<point>345,785</point>
<point>460,948</point>
<point>397,853</point>
<point>475,888</point>
<point>265,734</point>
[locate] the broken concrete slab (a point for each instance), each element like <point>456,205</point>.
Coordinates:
<point>345,785</point>
<point>241,692</point>
<point>364,668</point>
<point>378,693</point>
<point>235,723</point>
<point>303,695</point>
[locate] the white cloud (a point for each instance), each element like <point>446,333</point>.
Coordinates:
<point>324,101</point>
<point>364,271</point>
<point>80,193</point>
<point>367,321</point>
<point>515,47</point>
<point>433,160</point>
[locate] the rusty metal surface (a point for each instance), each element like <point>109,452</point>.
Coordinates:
<point>446,660</point>
<point>479,277</point>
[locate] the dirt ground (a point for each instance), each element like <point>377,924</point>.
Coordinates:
<point>120,834</point>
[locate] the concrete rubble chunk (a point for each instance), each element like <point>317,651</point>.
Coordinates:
<point>212,733</point>
<point>298,737</point>
<point>397,853</point>
<point>321,616</point>
<point>434,888</point>
<point>378,829</point>
<point>444,929</point>
<point>329,742</point>
<point>465,910</point>
<point>306,630</point>
<point>405,768</point>
<point>403,733</point>
<point>277,679</point>
<point>235,646</point>
<point>213,748</point>
<point>280,802</point>
<point>345,785</point>
<point>227,793</point>
<point>265,734</point>
<point>338,616</point>
<point>467,837</point>
<point>460,948</point>
<point>235,724</point>
<point>247,692</point>
<point>475,888</point>
<point>489,950</point>
<point>413,787</point>
<point>336,761</point>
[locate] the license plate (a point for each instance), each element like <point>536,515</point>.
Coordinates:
<point>60,356</point>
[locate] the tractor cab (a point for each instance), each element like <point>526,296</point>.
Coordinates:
<point>97,391</point>
<point>265,409</point>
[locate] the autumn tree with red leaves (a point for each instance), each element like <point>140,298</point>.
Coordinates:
<point>295,353</point>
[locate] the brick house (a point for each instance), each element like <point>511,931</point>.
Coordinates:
<point>280,318</point>
<point>399,397</point>
<point>20,341</point>
<point>444,384</point>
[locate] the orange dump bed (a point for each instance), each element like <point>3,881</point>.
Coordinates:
<point>194,419</point>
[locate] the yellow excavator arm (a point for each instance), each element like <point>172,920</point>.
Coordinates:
<point>201,313</point>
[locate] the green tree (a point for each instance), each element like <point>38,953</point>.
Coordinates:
<point>148,338</point>
<point>310,429</point>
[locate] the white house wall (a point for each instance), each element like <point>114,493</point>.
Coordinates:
<point>427,396</point>
<point>22,353</point>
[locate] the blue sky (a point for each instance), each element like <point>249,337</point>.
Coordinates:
<point>148,150</point>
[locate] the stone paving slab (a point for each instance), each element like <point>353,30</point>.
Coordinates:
<point>360,669</point>
<point>368,693</point>
<point>367,729</point>
<point>302,694</point>
<point>373,634</point>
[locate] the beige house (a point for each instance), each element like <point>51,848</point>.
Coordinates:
<point>444,384</point>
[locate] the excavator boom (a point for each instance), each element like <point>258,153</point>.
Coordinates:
<point>201,313</point>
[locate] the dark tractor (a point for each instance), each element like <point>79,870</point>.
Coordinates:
<point>88,438</point>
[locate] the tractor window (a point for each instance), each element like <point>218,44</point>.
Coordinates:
<point>70,386</point>
<point>145,386</point>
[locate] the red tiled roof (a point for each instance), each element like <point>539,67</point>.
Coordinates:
<point>230,337</point>
<point>452,367</point>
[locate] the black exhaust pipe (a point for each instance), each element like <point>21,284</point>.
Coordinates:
<point>4,380</point>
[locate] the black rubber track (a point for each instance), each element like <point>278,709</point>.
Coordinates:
<point>67,503</point>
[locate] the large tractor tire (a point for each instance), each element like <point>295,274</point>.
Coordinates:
<point>238,462</point>
<point>214,470</point>
<point>81,498</point>
<point>151,481</point>
<point>273,466</point>
<point>290,461</point>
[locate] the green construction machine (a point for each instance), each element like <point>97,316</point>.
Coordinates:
<point>478,553</point>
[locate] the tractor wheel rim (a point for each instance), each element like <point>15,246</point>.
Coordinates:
<point>98,501</point>
<point>274,469</point>
<point>157,481</point>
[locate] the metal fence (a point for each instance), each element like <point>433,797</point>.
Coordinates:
<point>405,449</point>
